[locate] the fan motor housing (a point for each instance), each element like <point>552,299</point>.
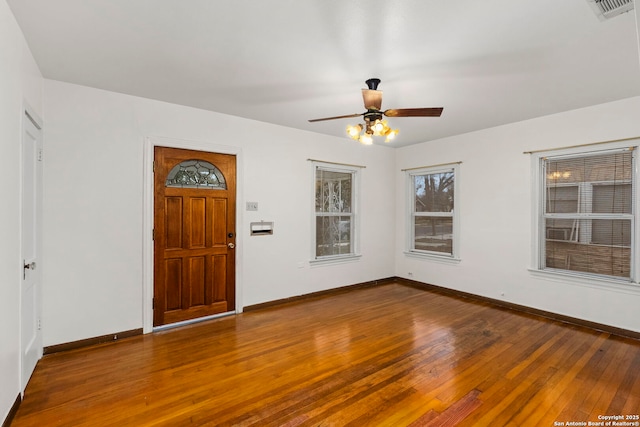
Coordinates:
<point>373,83</point>
<point>372,115</point>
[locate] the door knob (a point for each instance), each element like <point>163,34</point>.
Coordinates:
<point>231,245</point>
<point>30,266</point>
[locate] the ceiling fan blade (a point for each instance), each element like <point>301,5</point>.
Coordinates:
<point>414,112</point>
<point>336,117</point>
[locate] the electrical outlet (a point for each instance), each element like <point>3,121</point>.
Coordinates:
<point>252,206</point>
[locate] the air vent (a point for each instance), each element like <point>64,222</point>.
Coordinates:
<point>606,9</point>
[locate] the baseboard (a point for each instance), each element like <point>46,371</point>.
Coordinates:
<point>522,308</point>
<point>12,412</point>
<point>91,341</point>
<point>318,294</point>
<point>400,280</point>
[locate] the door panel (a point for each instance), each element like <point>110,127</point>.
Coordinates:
<point>173,283</point>
<point>219,277</point>
<point>173,222</point>
<point>219,218</point>
<point>197,281</point>
<point>194,273</point>
<point>198,219</point>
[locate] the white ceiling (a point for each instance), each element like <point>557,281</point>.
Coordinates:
<point>286,61</point>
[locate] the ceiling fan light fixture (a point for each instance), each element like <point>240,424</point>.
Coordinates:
<point>391,135</point>
<point>364,134</point>
<point>379,127</point>
<point>366,139</point>
<point>354,131</point>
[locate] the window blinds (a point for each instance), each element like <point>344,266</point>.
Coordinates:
<point>588,213</point>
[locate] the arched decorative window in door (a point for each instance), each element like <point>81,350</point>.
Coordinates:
<point>196,174</point>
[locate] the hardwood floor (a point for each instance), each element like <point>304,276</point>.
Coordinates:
<point>389,355</point>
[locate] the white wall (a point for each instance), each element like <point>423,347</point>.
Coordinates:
<point>94,204</point>
<point>93,207</point>
<point>93,216</point>
<point>20,82</point>
<point>496,213</point>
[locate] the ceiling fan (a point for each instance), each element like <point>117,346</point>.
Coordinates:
<point>374,125</point>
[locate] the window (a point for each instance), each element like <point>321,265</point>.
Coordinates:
<point>335,214</point>
<point>196,174</point>
<point>432,217</point>
<point>587,213</point>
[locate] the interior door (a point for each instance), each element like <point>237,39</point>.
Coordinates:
<point>194,234</point>
<point>30,331</point>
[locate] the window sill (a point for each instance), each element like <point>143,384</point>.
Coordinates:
<point>589,281</point>
<point>445,259</point>
<point>335,260</point>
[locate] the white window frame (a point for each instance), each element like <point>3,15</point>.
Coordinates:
<point>538,267</point>
<point>410,249</point>
<point>354,253</point>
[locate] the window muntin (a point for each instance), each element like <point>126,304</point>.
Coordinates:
<point>588,220</point>
<point>432,222</point>
<point>335,216</point>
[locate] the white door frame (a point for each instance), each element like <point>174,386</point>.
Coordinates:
<point>147,222</point>
<point>32,125</point>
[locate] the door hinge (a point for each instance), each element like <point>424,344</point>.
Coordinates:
<point>153,303</point>
<point>154,166</point>
<point>153,234</point>
<point>39,324</point>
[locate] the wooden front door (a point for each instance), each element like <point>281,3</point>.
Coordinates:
<point>194,234</point>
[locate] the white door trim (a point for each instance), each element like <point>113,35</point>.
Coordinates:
<point>147,222</point>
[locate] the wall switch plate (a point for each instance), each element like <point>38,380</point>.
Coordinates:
<point>252,206</point>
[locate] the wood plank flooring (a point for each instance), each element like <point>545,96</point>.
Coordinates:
<point>388,355</point>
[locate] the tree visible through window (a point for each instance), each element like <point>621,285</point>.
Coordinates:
<point>432,211</point>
